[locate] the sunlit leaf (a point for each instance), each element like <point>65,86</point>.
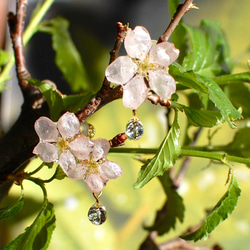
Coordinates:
<point>209,55</point>
<point>53,98</point>
<point>217,96</point>
<point>207,86</point>
<point>4,56</point>
<point>38,235</point>
<point>12,209</point>
<point>203,118</point>
<point>219,213</point>
<point>68,60</point>
<point>165,157</point>
<point>188,79</point>
<point>233,78</point>
<point>172,210</point>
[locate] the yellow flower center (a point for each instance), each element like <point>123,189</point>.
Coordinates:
<point>144,66</point>
<point>62,144</point>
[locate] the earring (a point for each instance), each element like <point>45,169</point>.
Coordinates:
<point>97,213</point>
<point>134,128</point>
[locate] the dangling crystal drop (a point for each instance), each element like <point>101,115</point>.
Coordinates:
<point>134,129</point>
<point>97,214</point>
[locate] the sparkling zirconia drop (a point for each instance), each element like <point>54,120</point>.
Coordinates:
<point>134,129</point>
<point>97,214</point>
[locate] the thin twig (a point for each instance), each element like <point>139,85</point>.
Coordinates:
<point>106,94</point>
<point>17,145</point>
<point>31,94</point>
<point>180,244</point>
<point>181,10</point>
<point>16,24</point>
<point>180,175</point>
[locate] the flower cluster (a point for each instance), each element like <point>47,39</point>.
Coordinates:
<point>79,156</point>
<point>145,61</point>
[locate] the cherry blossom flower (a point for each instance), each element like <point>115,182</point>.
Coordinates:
<point>144,61</point>
<point>79,156</point>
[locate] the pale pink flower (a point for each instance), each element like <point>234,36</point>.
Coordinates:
<point>144,60</point>
<point>79,156</point>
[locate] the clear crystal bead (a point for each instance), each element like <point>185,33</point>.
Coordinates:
<point>134,129</point>
<point>97,214</point>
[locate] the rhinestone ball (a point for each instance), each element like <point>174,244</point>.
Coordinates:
<point>97,214</point>
<point>134,129</point>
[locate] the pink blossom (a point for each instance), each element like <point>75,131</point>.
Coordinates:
<point>145,61</point>
<point>79,156</point>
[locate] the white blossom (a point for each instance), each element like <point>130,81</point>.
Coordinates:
<point>144,61</point>
<point>79,156</point>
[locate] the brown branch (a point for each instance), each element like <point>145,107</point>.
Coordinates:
<point>181,10</point>
<point>118,140</point>
<point>16,25</point>
<point>106,94</point>
<point>17,145</point>
<point>98,102</point>
<point>155,99</point>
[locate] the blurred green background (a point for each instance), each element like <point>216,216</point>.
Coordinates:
<point>130,209</point>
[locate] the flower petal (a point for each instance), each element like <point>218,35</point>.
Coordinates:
<point>163,54</point>
<point>121,70</point>
<point>94,183</point>
<point>46,151</point>
<point>110,169</point>
<point>138,42</point>
<point>101,148</point>
<point>81,147</point>
<point>162,83</point>
<point>67,162</point>
<point>46,129</point>
<point>78,173</point>
<point>134,92</point>
<point>68,125</point>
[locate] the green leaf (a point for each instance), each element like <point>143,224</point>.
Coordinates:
<point>217,96</point>
<point>172,210</point>
<point>12,209</point>
<point>59,174</point>
<point>207,86</point>
<point>165,157</point>
<point>240,145</point>
<point>68,60</point>
<point>219,213</point>
<point>53,98</point>
<point>38,235</point>
<point>172,5</point>
<point>203,118</point>
<point>239,95</point>
<point>4,57</point>
<point>233,78</point>
<point>75,102</point>
<point>209,55</point>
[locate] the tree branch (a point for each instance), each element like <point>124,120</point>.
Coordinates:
<point>106,94</point>
<point>181,10</point>
<point>17,145</point>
